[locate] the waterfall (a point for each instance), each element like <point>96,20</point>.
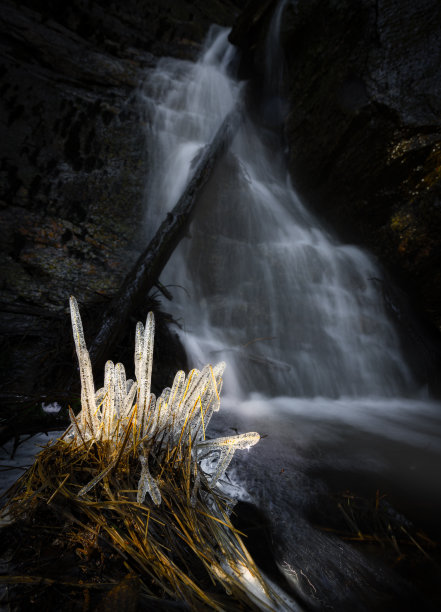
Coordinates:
<point>261,284</point>
<point>313,360</point>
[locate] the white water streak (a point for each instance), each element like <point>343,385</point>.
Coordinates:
<point>266,288</point>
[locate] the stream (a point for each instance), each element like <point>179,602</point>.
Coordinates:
<point>314,361</point>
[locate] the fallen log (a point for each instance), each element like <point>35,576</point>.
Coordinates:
<point>145,273</point>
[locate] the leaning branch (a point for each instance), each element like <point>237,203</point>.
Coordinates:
<point>151,262</point>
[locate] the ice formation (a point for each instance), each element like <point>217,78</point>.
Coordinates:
<point>171,426</point>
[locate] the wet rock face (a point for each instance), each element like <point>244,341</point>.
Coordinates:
<point>363,83</point>
<point>74,157</point>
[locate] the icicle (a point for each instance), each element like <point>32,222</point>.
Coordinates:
<point>162,409</point>
<point>181,411</point>
<point>145,367</point>
<point>139,343</point>
<point>213,402</point>
<point>219,391</point>
<point>242,441</point>
<point>77,327</point>
<point>99,396</point>
<point>227,447</point>
<point>151,410</point>
<point>88,391</point>
<point>208,404</point>
<point>224,461</point>
<point>146,417</point>
<point>197,423</point>
<point>147,484</point>
<point>193,379</point>
<point>107,410</point>
<point>218,371</point>
<point>128,402</point>
<point>177,391</point>
<point>120,389</point>
<point>191,398</point>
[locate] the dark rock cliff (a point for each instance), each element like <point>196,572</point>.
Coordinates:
<point>362,81</point>
<point>73,162</point>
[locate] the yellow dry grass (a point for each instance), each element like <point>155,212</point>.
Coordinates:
<point>178,550</point>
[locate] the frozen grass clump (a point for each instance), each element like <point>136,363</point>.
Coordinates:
<point>130,475</point>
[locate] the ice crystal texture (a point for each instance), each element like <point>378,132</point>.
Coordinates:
<point>175,422</point>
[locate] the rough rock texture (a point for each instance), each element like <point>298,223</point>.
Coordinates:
<point>363,84</point>
<point>73,159</point>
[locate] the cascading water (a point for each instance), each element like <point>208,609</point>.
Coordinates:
<point>298,317</point>
<point>266,288</point>
<point>312,357</point>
